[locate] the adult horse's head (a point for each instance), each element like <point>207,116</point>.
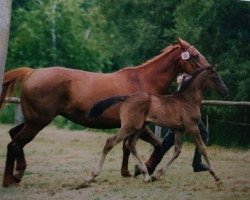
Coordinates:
<point>190,58</point>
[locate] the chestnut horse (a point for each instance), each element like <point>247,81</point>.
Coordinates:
<point>139,108</point>
<point>48,92</point>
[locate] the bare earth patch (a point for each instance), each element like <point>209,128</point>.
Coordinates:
<point>60,159</point>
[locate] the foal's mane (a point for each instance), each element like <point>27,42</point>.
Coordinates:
<point>187,83</point>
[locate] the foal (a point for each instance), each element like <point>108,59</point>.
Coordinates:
<point>139,108</point>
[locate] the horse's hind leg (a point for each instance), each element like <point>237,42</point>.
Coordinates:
<point>202,148</point>
<point>20,159</point>
<point>15,152</point>
<point>177,151</point>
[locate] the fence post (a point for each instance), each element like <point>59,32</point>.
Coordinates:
<point>158,131</point>
<point>207,126</point>
<point>18,114</point>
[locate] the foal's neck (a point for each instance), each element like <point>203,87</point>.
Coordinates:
<point>160,72</point>
<point>194,91</point>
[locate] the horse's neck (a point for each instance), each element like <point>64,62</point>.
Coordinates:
<point>159,73</point>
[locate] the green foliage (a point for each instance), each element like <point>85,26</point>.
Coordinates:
<point>104,36</point>
<point>7,114</point>
<point>51,32</point>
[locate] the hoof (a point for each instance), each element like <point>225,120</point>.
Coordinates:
<point>147,179</point>
<point>89,180</point>
<point>137,171</point>
<point>153,178</point>
<point>10,183</point>
<point>126,174</point>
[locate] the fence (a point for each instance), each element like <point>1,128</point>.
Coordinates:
<point>158,129</point>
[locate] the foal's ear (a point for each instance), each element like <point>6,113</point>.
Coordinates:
<point>184,45</point>
<point>211,69</point>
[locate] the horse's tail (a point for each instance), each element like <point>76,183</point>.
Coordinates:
<point>100,106</point>
<point>11,80</point>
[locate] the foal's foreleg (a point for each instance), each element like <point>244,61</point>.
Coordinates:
<point>202,148</point>
<point>176,153</point>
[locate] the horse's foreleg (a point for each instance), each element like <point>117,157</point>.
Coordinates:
<point>20,158</point>
<point>177,151</point>
<point>131,144</point>
<point>124,169</point>
<point>148,136</point>
<point>202,148</point>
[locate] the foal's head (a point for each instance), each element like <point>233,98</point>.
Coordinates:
<point>190,58</point>
<point>210,79</point>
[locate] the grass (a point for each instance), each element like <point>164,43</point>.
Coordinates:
<point>59,160</point>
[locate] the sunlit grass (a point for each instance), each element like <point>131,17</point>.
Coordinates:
<point>59,160</point>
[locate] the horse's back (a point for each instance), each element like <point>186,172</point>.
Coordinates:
<point>69,92</point>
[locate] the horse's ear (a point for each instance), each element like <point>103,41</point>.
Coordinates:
<point>184,45</point>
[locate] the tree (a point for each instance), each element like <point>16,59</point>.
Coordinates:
<point>51,32</point>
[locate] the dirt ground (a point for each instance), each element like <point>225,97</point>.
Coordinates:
<point>59,160</point>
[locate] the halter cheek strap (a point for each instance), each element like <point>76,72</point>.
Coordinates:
<point>185,55</point>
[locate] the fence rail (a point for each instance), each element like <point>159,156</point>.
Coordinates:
<point>204,102</point>
<point>225,103</point>
<point>18,112</point>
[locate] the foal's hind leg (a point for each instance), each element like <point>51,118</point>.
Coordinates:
<point>148,136</point>
<point>202,148</point>
<point>14,150</point>
<point>20,159</point>
<point>177,151</point>
<point>131,144</point>
<point>110,143</point>
<point>124,169</point>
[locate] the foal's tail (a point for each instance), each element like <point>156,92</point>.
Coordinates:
<point>100,106</point>
<point>12,79</point>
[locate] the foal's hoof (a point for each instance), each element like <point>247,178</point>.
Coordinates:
<point>137,171</point>
<point>89,179</point>
<point>153,178</point>
<point>147,179</point>
<point>126,174</point>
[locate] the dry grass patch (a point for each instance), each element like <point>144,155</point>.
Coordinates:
<point>58,161</point>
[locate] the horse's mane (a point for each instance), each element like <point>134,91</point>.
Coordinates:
<point>186,84</point>
<point>165,51</point>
